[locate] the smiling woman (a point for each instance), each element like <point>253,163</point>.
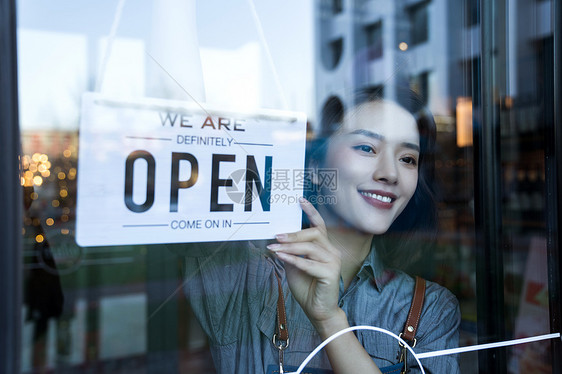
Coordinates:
<point>332,274</point>
<point>397,137</point>
<point>376,152</point>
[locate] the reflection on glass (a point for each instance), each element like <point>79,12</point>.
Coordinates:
<point>122,308</point>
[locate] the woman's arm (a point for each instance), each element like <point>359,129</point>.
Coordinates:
<point>313,267</point>
<point>346,354</point>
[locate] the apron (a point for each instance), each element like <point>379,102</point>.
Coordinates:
<point>274,369</point>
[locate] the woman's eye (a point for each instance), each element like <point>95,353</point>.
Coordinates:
<point>409,160</point>
<point>364,148</point>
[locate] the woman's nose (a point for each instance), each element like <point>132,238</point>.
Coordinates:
<point>386,169</point>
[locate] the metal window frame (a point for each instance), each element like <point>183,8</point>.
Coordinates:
<point>554,181</point>
<point>487,187</point>
<point>11,204</point>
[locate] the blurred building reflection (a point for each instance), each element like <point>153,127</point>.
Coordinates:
<point>434,46</point>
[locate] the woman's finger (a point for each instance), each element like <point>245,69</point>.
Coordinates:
<point>308,249</point>
<point>306,235</point>
<point>313,215</point>
<point>318,270</point>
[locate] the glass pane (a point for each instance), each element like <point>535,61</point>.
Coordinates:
<point>163,304</point>
<point>524,123</point>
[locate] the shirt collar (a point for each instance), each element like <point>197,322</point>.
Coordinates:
<point>373,269</point>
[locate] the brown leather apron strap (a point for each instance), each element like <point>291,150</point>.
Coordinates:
<point>411,327</point>
<point>282,332</point>
<point>281,337</point>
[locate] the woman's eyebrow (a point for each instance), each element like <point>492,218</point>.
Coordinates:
<point>378,136</point>
<point>412,146</point>
<point>368,133</point>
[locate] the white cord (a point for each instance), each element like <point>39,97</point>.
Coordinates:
<point>346,330</point>
<point>487,346</point>
<point>419,356</point>
<point>109,45</point>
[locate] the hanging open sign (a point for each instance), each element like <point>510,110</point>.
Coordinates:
<point>158,171</point>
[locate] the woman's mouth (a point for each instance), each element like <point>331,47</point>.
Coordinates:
<point>379,199</point>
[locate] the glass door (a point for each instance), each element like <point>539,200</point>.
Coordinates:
<point>516,211</point>
<point>487,71</point>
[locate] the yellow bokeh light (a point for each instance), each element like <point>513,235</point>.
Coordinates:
<point>39,238</point>
<point>33,168</point>
<point>23,230</point>
<point>61,175</point>
<point>34,196</point>
<point>67,153</point>
<point>43,158</point>
<point>72,171</point>
<point>37,180</point>
<point>55,203</point>
<point>464,121</point>
<point>28,174</point>
<point>64,218</point>
<point>403,46</point>
<point>63,193</point>
<point>50,222</point>
<point>65,231</point>
<point>35,157</point>
<point>22,180</point>
<point>66,210</point>
<point>41,168</point>
<point>45,173</point>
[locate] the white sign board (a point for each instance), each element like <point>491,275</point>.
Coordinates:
<point>159,171</point>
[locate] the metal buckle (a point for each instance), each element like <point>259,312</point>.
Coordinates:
<point>280,344</point>
<point>402,345</point>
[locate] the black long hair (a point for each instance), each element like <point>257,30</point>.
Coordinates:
<point>415,229</point>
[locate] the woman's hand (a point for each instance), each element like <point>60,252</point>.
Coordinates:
<point>313,267</point>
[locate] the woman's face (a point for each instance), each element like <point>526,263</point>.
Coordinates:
<point>376,154</point>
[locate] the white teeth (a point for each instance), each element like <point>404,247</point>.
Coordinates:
<point>384,199</point>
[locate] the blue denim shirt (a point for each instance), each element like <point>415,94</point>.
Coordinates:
<point>233,292</point>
